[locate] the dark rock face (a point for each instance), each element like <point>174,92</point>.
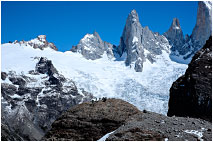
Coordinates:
<point>3,75</point>
<point>90,121</point>
<point>191,94</point>
<point>31,103</point>
<point>148,126</point>
<point>7,134</point>
<point>92,47</point>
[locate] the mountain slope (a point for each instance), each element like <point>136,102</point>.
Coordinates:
<point>103,77</point>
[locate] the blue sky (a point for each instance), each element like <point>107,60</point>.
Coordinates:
<point>65,23</point>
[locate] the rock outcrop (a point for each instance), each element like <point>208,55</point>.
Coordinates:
<point>31,102</point>
<point>92,47</point>
<point>191,94</point>
<point>124,122</point>
<point>90,121</point>
<point>149,126</point>
<point>40,42</point>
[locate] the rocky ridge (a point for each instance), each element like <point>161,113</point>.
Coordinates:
<point>31,102</point>
<point>38,43</point>
<point>191,94</point>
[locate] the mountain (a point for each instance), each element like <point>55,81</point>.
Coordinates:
<point>183,49</point>
<point>39,83</point>
<point>139,44</point>
<point>32,101</point>
<point>102,77</point>
<point>175,37</point>
<point>92,47</point>
<point>191,94</point>
<point>40,42</point>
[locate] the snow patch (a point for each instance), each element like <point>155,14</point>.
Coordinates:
<point>198,133</point>
<point>106,136</point>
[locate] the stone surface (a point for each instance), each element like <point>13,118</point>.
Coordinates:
<point>191,94</point>
<point>90,121</point>
<point>93,120</point>
<point>156,127</point>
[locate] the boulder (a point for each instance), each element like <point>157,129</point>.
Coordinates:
<point>90,121</point>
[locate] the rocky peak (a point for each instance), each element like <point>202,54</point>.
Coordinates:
<point>175,36</point>
<point>135,40</point>
<point>130,42</point>
<point>42,38</point>
<point>203,27</point>
<point>175,24</point>
<point>133,16</point>
<point>45,66</point>
<point>40,42</point>
<point>184,49</point>
<point>91,46</point>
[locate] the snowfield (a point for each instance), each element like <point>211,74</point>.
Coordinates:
<point>148,89</point>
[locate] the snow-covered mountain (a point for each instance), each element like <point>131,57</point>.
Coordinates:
<point>103,77</point>
<point>183,49</point>
<point>92,47</point>
<point>140,70</point>
<point>139,44</point>
<point>32,100</point>
<point>38,42</point>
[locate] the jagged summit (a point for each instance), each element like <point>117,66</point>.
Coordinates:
<point>42,38</point>
<point>92,47</point>
<point>175,24</point>
<point>133,16</point>
<point>183,49</point>
<point>175,36</point>
<point>203,27</point>
<point>139,44</point>
<point>39,42</point>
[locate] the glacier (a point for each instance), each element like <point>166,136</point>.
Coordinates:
<point>148,89</point>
